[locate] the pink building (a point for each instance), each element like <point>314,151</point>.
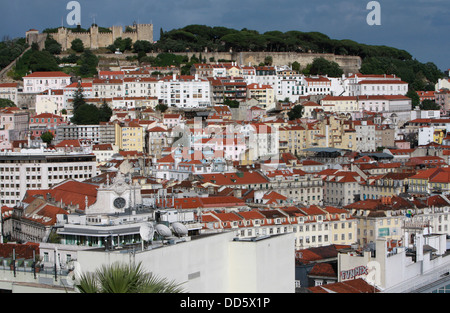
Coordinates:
<point>13,126</point>
<point>44,122</point>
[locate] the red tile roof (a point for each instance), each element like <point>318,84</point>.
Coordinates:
<point>47,74</point>
<point>350,286</point>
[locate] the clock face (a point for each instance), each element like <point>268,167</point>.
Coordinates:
<point>119,203</point>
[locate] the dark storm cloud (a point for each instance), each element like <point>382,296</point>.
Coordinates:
<point>418,26</point>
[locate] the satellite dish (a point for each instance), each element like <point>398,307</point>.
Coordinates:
<point>180,229</point>
<point>163,230</point>
<point>147,231</point>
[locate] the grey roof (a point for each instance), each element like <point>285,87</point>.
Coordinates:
<point>100,231</point>
<point>324,149</point>
<point>380,155</point>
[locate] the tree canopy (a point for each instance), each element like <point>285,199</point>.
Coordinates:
<point>6,103</point>
<point>10,50</point>
<point>77,45</point>
<point>296,112</point>
<point>320,66</point>
<point>125,278</point>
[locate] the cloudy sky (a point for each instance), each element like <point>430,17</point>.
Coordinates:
<point>419,26</point>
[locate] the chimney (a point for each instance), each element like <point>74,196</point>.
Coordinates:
<point>419,247</point>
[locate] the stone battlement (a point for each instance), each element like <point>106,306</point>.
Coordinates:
<point>95,39</point>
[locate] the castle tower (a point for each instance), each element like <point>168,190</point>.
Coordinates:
<point>94,37</point>
<point>62,37</point>
<point>117,32</point>
<point>145,32</point>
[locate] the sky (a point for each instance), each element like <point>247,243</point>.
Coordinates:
<point>421,27</point>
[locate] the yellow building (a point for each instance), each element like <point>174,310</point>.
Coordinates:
<point>263,93</point>
<point>303,136</point>
<point>380,218</point>
<point>439,135</point>
<point>130,136</point>
<point>343,226</point>
<point>340,104</point>
<point>338,133</point>
<point>233,70</point>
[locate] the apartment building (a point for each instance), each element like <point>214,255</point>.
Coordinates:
<point>342,104</point>
<point>13,126</point>
<point>107,88</point>
<point>372,84</point>
<point>38,82</point>
<point>264,94</point>
<point>184,91</point>
<point>140,87</point>
<point>20,172</point>
<point>385,185</point>
<point>9,91</point>
<point>365,135</point>
<point>130,136</point>
<point>319,85</point>
<point>159,138</point>
<point>387,217</point>
<point>442,98</point>
<point>311,226</point>
<point>430,181</point>
<point>341,187</point>
<point>104,152</point>
<point>303,188</point>
<point>227,88</point>
<point>74,132</point>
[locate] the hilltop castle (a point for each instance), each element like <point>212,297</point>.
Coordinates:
<point>95,39</point>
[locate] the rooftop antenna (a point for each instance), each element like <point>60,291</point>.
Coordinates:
<point>163,231</point>
<point>179,229</point>
<point>93,17</point>
<point>147,231</point>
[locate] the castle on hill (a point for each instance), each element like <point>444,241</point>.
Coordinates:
<point>94,39</point>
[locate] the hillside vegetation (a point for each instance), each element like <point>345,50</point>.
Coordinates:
<point>197,38</point>
<point>375,59</point>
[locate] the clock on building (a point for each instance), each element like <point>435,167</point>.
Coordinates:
<point>120,203</point>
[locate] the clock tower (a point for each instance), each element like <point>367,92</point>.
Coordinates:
<point>115,196</point>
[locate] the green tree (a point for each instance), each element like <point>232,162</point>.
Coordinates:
<point>125,278</point>
<point>88,64</point>
<point>78,99</point>
<point>52,46</point>
<point>161,107</point>
<point>429,105</point>
<point>268,60</point>
<point>6,103</point>
<point>77,45</point>
<point>35,61</point>
<point>123,44</point>
<point>321,66</point>
<point>142,46</point>
<point>105,112</point>
<point>86,114</point>
<point>231,103</point>
<point>47,137</point>
<point>296,112</point>
<point>296,66</point>
<point>415,99</point>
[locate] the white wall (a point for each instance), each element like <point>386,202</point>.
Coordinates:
<point>256,267</point>
<point>213,264</point>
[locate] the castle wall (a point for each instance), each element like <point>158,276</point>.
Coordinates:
<point>94,39</point>
<point>349,64</point>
